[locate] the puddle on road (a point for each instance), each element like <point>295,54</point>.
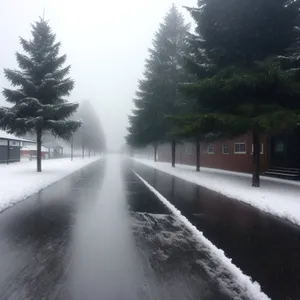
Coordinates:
<point>138,196</point>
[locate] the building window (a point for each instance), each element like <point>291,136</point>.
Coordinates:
<point>225,149</point>
<point>261,149</point>
<point>279,147</point>
<point>210,149</point>
<point>240,148</point>
<point>3,142</point>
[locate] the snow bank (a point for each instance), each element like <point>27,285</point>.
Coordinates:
<point>233,281</point>
<point>20,180</point>
<point>278,197</point>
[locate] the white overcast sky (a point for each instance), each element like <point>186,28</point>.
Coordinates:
<point>106,43</point>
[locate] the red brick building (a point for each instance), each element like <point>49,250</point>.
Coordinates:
<point>279,154</point>
<point>233,155</point>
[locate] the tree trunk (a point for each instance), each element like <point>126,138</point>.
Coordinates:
<point>198,155</point>
<point>72,148</point>
<point>39,150</point>
<point>82,150</point>
<point>8,152</point>
<point>89,152</point>
<point>155,152</point>
<point>173,153</point>
<point>256,158</point>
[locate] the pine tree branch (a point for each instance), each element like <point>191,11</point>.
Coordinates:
<point>7,116</point>
<point>60,74</point>
<point>34,122</point>
<point>19,79</point>
<point>33,102</point>
<point>65,110</point>
<point>54,50</point>
<point>63,129</point>
<point>13,96</point>
<point>27,46</point>
<point>3,112</point>
<point>60,61</point>
<point>64,87</point>
<point>24,62</point>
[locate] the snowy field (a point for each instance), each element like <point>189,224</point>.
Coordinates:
<point>20,180</point>
<point>275,196</point>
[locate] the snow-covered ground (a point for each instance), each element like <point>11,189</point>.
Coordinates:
<point>275,196</point>
<point>20,180</point>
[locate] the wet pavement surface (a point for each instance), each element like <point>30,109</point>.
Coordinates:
<point>36,236</point>
<point>102,234</point>
<point>166,252</point>
<point>169,260</point>
<point>99,234</point>
<point>264,247</point>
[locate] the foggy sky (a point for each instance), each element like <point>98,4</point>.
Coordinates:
<point>106,43</point>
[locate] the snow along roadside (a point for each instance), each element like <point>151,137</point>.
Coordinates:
<point>275,196</point>
<point>19,181</point>
<point>234,282</point>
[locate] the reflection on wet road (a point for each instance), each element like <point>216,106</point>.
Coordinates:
<point>264,247</point>
<point>167,254</point>
<point>101,234</point>
<point>36,236</point>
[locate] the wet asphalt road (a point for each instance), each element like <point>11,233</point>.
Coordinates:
<point>99,234</point>
<point>264,247</point>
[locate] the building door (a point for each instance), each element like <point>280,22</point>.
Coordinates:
<point>285,150</point>
<point>14,154</point>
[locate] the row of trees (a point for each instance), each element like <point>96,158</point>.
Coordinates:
<point>239,72</point>
<point>90,135</point>
<point>38,105</point>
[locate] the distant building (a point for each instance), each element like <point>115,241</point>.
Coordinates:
<point>10,147</point>
<point>55,149</point>
<point>279,154</point>
<point>29,150</point>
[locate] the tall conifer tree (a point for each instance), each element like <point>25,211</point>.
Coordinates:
<point>157,93</point>
<point>246,42</point>
<point>38,104</point>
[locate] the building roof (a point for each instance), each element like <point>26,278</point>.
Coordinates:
<point>33,147</point>
<point>53,145</point>
<point>7,136</point>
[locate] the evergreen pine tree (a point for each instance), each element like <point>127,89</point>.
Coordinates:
<point>38,103</point>
<point>244,94</point>
<point>244,31</point>
<point>157,94</point>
